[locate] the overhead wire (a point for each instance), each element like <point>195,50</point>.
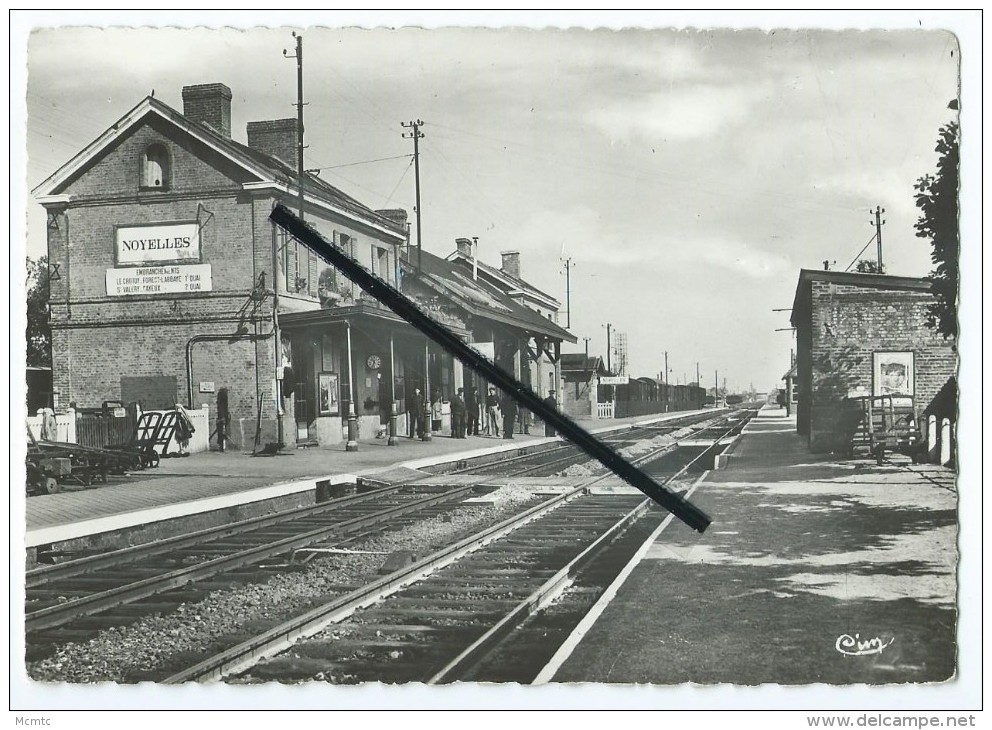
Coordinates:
<point>495,207</point>
<point>362,162</point>
<point>855,259</point>
<point>399,182</point>
<point>665,178</point>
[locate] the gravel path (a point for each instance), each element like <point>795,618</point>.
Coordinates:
<point>170,642</point>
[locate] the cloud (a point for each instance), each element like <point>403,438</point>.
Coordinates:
<point>677,114</point>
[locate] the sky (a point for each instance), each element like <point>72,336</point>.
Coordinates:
<point>687,175</point>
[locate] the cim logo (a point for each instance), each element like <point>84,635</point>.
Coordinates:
<point>855,646</point>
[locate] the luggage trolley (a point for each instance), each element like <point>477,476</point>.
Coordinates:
<point>885,423</point>
<point>141,446</point>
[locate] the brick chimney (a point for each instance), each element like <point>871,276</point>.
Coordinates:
<point>511,263</point>
<point>210,103</point>
<point>276,137</point>
<point>464,246</point>
<point>397,216</point>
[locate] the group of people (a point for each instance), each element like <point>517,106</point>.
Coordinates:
<point>468,410</point>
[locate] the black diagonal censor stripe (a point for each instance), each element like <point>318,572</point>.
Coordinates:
<point>523,395</point>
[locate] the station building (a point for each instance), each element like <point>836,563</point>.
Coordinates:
<point>864,335</point>
<point>171,284</point>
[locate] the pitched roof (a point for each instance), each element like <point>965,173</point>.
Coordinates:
<point>266,168</point>
<point>481,298</point>
<point>501,275</point>
<point>578,361</point>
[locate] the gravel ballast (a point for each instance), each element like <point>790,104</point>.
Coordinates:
<point>158,645</point>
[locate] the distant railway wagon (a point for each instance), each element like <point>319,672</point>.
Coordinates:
<point>642,396</point>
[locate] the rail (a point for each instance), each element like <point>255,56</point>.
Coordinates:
<point>241,657</point>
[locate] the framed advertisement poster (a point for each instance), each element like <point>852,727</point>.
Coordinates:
<point>328,399</point>
<point>893,373</point>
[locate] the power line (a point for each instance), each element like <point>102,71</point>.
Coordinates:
<point>855,259</point>
<point>362,162</point>
<point>666,177</point>
<point>400,181</point>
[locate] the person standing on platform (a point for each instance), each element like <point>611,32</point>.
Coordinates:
<point>415,405</point>
<point>550,402</point>
<point>436,411</point>
<point>458,415</point>
<point>472,411</point>
<point>509,408</point>
<point>492,416</point>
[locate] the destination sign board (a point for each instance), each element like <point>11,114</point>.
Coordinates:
<point>190,279</point>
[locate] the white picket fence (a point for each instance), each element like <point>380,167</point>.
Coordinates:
<point>65,429</point>
<point>605,410</point>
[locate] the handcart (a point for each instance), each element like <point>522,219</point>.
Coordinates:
<point>885,423</point>
<point>140,451</point>
<point>65,463</point>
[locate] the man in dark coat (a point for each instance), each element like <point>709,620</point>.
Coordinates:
<point>472,411</point>
<point>550,402</point>
<point>458,415</point>
<point>509,408</point>
<point>415,405</point>
<point>492,405</point>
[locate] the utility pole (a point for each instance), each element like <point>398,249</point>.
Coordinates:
<point>697,374</point>
<point>666,381</point>
<point>716,388</point>
<point>277,336</point>
<point>568,293</point>
<point>416,135</point>
<point>608,366</point>
<point>299,115</point>
<point>878,234</point>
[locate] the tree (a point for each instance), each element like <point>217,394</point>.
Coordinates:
<point>937,199</point>
<point>870,266</point>
<point>39,330</point>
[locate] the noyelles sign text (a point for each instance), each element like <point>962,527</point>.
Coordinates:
<point>160,243</point>
<point>159,280</point>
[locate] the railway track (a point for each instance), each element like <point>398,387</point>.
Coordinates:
<point>446,617</point>
<point>73,601</point>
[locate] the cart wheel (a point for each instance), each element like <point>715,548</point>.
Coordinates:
<point>51,486</point>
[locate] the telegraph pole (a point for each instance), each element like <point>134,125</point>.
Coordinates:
<point>716,388</point>
<point>280,435</point>
<point>416,135</point>
<point>608,366</point>
<point>568,293</point>
<point>878,234</point>
<point>697,374</point>
<point>666,381</point>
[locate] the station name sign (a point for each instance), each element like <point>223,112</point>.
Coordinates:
<point>159,280</point>
<point>160,243</point>
<point>614,380</point>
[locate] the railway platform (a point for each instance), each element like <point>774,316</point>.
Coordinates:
<point>814,570</point>
<point>211,487</point>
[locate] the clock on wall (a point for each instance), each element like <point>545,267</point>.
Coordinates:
<point>374,362</point>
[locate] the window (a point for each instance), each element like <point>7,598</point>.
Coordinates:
<point>155,168</point>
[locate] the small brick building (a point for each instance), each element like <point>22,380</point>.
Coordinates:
<point>860,335</point>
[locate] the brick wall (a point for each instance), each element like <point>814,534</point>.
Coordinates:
<point>97,339</point>
<point>849,324</point>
